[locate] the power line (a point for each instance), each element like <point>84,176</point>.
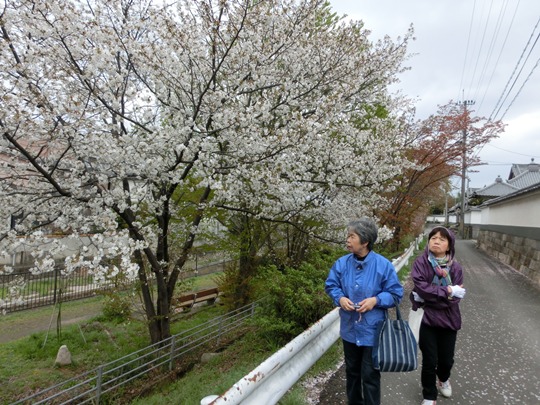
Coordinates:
<point>488,163</point>
<point>509,151</point>
<point>467,48</point>
<point>500,102</point>
<point>491,44</point>
<point>521,88</point>
<point>490,80</point>
<point>481,45</point>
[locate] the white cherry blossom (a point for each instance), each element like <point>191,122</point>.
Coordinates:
<point>142,120</point>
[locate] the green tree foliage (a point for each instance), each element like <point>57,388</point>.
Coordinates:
<point>292,299</point>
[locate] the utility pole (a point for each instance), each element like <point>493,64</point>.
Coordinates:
<point>465,103</point>
<point>446,208</point>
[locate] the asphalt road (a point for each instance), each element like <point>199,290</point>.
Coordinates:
<point>498,349</point>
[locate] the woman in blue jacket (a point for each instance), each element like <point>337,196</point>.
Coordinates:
<point>363,284</point>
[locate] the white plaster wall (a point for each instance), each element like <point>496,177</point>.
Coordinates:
<point>520,211</point>
<point>441,218</point>
<point>473,217</point>
<point>476,217</point>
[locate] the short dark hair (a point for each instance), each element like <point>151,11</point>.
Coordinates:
<point>366,229</point>
<point>446,233</point>
<point>443,231</point>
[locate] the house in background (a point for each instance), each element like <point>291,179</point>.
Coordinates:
<point>494,190</point>
<point>479,196</point>
<point>506,221</point>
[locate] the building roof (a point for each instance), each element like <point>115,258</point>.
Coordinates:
<point>497,189</point>
<point>525,175</point>
<point>526,190</point>
<point>522,178</point>
<point>518,169</point>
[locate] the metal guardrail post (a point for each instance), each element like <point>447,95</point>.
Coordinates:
<point>99,379</point>
<point>173,346</point>
<point>220,326</point>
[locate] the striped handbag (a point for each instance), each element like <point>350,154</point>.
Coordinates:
<point>395,348</point>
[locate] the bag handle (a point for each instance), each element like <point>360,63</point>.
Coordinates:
<point>398,312</point>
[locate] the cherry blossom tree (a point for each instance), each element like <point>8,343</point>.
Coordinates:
<point>137,123</point>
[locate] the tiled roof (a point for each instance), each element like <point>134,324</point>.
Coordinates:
<point>518,169</point>
<point>522,191</point>
<point>525,179</point>
<point>496,189</point>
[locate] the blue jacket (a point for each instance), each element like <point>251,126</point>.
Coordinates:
<point>375,276</point>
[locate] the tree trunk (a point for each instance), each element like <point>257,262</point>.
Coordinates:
<point>157,321</point>
<point>249,233</point>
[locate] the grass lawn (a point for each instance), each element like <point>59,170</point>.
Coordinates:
<point>228,367</point>
<point>28,359</point>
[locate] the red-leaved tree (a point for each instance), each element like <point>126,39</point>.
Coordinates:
<point>437,145</point>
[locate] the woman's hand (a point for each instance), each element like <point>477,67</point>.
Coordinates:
<point>367,305</point>
<point>363,306</point>
<point>456,291</point>
<point>346,304</point>
<point>417,298</point>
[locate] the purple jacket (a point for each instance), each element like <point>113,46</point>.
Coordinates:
<point>439,309</point>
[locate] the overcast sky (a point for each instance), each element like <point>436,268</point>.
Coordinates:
<point>480,50</point>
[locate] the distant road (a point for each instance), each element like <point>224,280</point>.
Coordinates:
<point>498,349</point>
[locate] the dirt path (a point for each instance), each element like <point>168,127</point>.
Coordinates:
<point>18,325</point>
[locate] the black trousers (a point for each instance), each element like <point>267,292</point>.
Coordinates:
<point>438,347</point>
<point>363,381</point>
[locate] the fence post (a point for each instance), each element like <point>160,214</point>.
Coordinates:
<point>99,379</point>
<point>219,330</point>
<point>55,283</point>
<point>173,346</point>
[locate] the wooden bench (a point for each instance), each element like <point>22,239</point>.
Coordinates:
<point>187,301</point>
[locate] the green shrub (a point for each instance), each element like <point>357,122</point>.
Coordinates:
<point>117,307</point>
<point>229,283</point>
<point>294,298</point>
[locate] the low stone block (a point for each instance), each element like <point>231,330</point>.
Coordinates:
<point>63,358</point>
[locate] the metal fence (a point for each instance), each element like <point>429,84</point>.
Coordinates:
<point>160,358</point>
<point>23,290</point>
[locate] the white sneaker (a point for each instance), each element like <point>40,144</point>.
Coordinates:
<point>445,388</point>
<point>429,402</point>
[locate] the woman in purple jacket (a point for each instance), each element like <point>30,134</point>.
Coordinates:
<point>363,284</point>
<point>438,289</point>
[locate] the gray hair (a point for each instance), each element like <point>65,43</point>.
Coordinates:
<point>366,229</point>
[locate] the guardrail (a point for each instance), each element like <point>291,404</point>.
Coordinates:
<point>267,383</point>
